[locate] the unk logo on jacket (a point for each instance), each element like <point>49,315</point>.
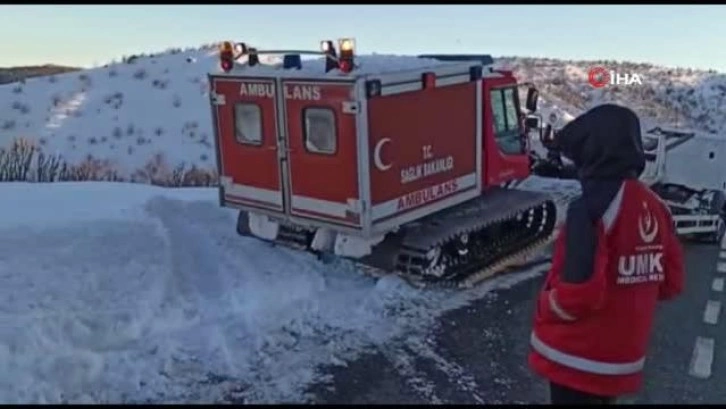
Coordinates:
<point>645,263</point>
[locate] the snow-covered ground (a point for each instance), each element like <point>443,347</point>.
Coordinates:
<point>132,293</point>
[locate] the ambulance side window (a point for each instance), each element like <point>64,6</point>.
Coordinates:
<point>320,130</point>
<point>506,120</point>
<point>248,123</point>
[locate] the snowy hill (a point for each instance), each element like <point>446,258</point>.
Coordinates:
<point>133,120</point>
<point>672,97</point>
<point>147,118</point>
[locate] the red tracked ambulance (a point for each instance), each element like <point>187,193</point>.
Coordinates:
<point>397,162</point>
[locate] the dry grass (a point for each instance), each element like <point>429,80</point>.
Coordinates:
<point>24,161</point>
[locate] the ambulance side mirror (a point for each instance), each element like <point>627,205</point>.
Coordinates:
<point>532,97</point>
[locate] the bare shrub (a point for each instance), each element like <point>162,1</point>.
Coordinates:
<point>15,163</point>
<point>117,133</point>
<point>140,74</point>
<point>160,84</point>
<point>85,79</point>
<point>18,89</point>
<point>115,100</point>
<point>181,175</point>
<point>56,100</point>
<point>8,125</point>
<point>24,161</point>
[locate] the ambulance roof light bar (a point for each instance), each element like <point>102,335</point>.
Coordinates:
<point>226,56</point>
<point>344,61</point>
<point>331,60</point>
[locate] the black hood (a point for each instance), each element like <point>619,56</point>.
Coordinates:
<point>604,143</point>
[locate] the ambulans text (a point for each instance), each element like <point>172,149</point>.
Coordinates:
<point>267,90</point>
<point>429,194</point>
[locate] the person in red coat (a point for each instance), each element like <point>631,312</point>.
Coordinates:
<point>617,255</point>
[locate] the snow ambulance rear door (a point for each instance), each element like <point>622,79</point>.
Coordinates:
<point>244,114</point>
<point>321,166</point>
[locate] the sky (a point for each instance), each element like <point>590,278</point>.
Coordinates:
<point>680,36</point>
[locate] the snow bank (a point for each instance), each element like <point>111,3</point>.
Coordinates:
<point>130,293</point>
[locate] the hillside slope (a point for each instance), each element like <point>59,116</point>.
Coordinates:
<point>138,118</point>
<point>147,119</point>
<point>673,97</point>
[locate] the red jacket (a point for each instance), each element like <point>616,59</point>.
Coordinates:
<point>592,335</point>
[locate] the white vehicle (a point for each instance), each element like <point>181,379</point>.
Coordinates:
<point>685,168</point>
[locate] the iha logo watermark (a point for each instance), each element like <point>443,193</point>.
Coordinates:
<point>600,77</point>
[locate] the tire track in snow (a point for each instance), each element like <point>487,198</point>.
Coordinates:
<point>190,253</point>
<point>64,110</point>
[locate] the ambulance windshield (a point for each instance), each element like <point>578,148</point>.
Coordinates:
<point>504,103</point>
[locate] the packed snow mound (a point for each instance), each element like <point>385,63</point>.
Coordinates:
<point>674,97</point>
<point>134,293</point>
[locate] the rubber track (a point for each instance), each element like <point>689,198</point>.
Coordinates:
<point>495,206</point>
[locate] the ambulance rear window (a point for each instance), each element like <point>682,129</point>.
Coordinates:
<point>320,130</point>
<point>248,123</point>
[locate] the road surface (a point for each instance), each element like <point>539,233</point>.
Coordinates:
<point>478,353</point>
